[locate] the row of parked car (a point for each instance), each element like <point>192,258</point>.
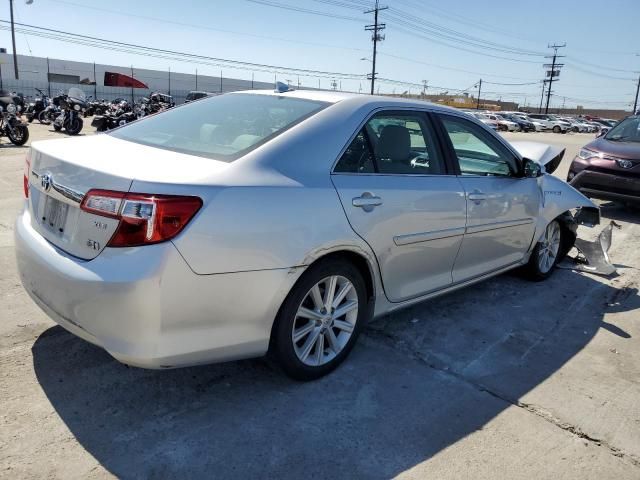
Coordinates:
<point>540,122</point>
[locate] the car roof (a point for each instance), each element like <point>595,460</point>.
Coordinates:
<point>357,99</point>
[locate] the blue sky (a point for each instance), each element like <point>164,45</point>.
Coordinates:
<point>601,37</point>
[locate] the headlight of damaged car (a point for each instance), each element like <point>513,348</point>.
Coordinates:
<point>585,154</point>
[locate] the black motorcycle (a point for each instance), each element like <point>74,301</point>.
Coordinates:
<point>10,124</point>
<point>36,108</point>
<point>72,104</point>
<point>119,114</point>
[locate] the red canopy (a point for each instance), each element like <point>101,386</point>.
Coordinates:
<point>121,80</point>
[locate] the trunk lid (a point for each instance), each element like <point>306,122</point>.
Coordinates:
<point>62,171</point>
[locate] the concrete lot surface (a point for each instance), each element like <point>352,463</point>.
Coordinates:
<point>506,379</point>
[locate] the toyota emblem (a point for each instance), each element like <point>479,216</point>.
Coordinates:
<point>45,182</point>
<point>624,163</point>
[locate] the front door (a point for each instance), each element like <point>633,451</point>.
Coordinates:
<point>501,204</point>
<point>404,201</point>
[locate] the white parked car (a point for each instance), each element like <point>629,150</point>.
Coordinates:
<point>503,123</point>
<point>536,123</point>
<point>550,122</point>
<point>279,221</point>
<point>493,124</point>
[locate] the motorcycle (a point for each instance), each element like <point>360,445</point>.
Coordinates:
<point>10,124</point>
<point>36,108</point>
<point>72,104</point>
<point>119,114</point>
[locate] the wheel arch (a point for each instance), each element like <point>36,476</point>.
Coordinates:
<point>362,260</point>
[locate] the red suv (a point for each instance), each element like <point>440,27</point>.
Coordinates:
<point>609,167</point>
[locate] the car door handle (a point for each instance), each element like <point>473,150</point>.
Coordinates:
<point>367,201</point>
<point>477,196</point>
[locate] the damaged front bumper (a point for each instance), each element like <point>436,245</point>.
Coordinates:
<point>593,256</point>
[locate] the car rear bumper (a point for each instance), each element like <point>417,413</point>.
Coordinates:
<point>607,186</point>
<point>146,307</point>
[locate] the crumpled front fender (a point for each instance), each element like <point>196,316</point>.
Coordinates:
<point>558,197</point>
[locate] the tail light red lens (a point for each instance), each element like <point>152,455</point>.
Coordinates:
<point>27,170</point>
<point>144,218</point>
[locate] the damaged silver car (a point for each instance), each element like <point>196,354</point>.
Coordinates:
<point>280,221</point>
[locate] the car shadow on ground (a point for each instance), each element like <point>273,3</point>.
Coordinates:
<point>419,381</point>
<point>617,211</point>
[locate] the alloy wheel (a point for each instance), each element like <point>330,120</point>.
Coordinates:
<point>325,320</point>
<point>549,247</point>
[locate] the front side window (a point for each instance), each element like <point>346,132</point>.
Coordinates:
<point>393,143</point>
<point>477,152</point>
<point>224,127</point>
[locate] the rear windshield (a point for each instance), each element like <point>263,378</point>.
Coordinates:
<point>223,127</point>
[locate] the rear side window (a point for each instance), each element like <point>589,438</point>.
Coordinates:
<point>394,143</point>
<point>224,127</point>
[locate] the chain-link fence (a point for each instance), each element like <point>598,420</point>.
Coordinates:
<point>51,76</point>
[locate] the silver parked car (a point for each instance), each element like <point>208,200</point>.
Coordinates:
<point>279,222</point>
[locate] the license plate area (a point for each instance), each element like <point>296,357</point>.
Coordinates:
<point>54,216</point>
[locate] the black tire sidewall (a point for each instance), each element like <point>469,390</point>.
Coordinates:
<point>533,266</point>
<point>281,344</point>
<point>25,135</point>
<point>77,122</point>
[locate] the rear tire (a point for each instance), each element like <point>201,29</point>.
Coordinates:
<point>309,340</point>
<point>546,253</point>
<point>557,129</point>
<point>43,118</point>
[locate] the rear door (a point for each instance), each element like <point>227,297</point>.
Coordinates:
<point>403,199</point>
<point>502,206</point>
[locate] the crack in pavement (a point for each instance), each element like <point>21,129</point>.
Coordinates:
<point>399,344</point>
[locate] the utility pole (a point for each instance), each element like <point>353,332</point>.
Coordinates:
<point>544,84</point>
<point>555,70</point>
<point>635,103</point>
<point>425,84</point>
<point>479,91</point>
<point>376,36</point>
<point>13,39</point>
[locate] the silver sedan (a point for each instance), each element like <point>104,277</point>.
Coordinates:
<point>281,222</point>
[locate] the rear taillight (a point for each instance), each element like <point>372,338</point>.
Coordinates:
<point>25,178</point>
<point>144,218</point>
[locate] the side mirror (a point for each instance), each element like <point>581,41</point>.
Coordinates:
<point>532,169</point>
<point>601,133</point>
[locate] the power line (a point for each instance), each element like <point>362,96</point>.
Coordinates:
<point>204,27</point>
<point>293,8</point>
<point>114,45</point>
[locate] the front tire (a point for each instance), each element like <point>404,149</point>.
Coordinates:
<point>320,320</point>
<point>546,253</point>
<point>557,129</point>
<point>20,135</point>
<point>75,126</point>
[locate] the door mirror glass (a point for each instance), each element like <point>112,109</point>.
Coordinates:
<point>532,169</point>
